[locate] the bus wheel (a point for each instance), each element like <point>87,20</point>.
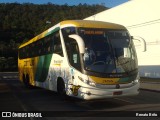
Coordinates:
<point>26,81</point>
<point>61,89</point>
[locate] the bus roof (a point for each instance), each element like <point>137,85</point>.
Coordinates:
<point>91,24</point>
<point>76,23</point>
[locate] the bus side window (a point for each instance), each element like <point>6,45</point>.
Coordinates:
<point>51,44</point>
<point>31,50</point>
<point>27,51</point>
<point>48,44</point>
<point>57,44</point>
<point>40,47</point>
<point>72,48</point>
<point>73,53</point>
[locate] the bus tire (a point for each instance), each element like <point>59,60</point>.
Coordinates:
<point>61,89</point>
<point>26,81</point>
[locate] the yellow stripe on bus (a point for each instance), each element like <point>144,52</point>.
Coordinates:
<point>91,24</point>
<point>109,81</point>
<point>56,64</point>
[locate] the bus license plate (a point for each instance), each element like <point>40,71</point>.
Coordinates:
<point>117,93</point>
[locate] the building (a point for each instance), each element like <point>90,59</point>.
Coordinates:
<point>142,19</point>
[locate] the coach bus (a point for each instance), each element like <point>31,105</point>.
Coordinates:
<point>83,59</point>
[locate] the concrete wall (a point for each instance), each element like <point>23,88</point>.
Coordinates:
<point>142,19</point>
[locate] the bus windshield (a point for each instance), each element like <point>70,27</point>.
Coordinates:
<point>108,51</point>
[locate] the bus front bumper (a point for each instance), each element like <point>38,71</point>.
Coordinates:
<point>98,93</point>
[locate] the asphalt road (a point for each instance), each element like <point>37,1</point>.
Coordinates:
<point>15,97</point>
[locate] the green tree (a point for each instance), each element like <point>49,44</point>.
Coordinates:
<point>21,22</point>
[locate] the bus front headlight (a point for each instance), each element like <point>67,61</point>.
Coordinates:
<point>89,82</point>
<point>136,80</point>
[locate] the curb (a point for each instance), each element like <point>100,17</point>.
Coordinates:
<point>151,90</point>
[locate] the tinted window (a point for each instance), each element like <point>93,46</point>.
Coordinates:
<point>47,45</point>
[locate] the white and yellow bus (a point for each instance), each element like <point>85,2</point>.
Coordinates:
<point>83,59</point>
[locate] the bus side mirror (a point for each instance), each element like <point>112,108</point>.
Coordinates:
<point>80,42</point>
<point>142,41</point>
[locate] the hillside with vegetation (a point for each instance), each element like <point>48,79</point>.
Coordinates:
<point>21,22</point>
